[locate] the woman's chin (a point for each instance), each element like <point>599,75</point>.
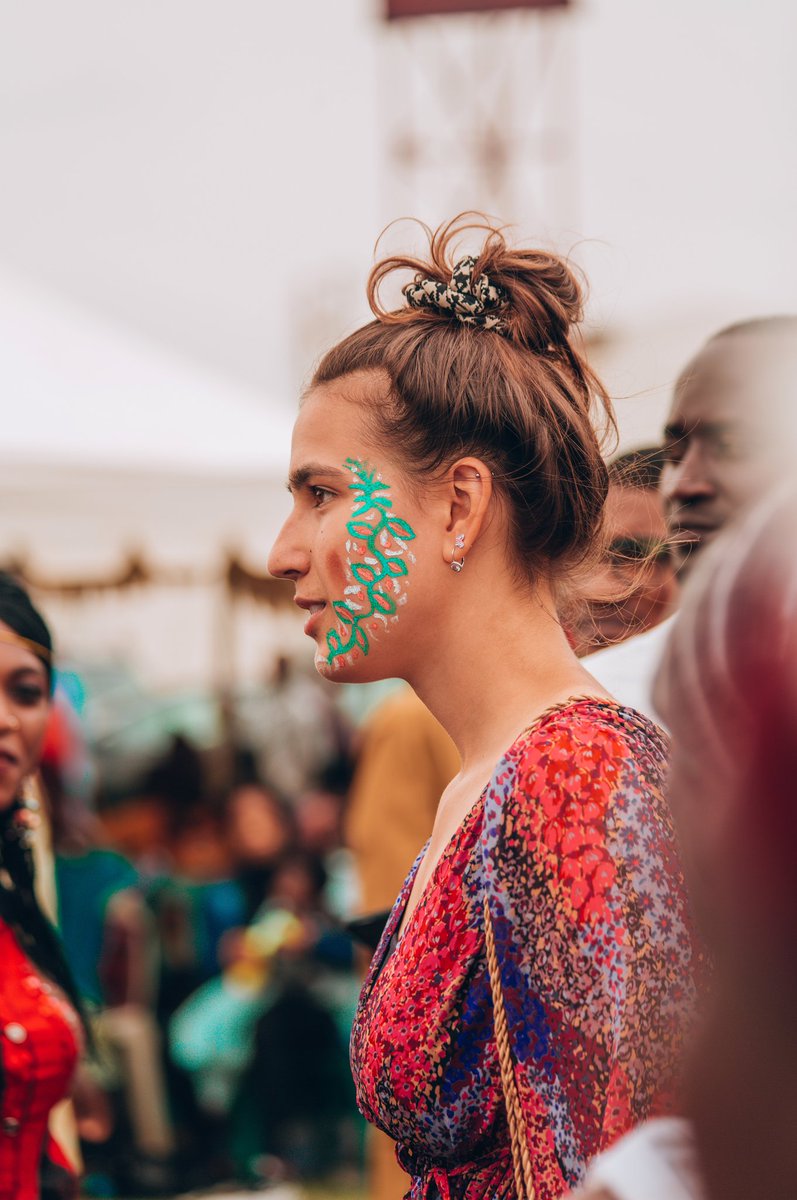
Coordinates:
<point>351,667</point>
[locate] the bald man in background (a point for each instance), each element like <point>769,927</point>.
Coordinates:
<point>719,456</point>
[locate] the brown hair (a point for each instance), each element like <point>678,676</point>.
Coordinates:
<point>521,400</point>
<point>640,468</point>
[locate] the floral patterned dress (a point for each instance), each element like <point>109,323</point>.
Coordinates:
<point>572,845</point>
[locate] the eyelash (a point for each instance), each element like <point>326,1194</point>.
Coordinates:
<point>321,495</point>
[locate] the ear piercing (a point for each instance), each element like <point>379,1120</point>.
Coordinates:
<point>459,544</point>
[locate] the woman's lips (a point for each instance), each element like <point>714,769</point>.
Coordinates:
<point>8,761</point>
<point>314,608</point>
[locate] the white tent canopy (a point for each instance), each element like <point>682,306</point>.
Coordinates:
<point>112,445</point>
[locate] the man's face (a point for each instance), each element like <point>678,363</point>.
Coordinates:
<point>717,435</point>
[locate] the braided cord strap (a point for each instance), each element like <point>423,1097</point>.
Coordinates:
<point>521,1160</point>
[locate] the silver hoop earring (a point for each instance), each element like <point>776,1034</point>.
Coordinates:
<point>459,544</point>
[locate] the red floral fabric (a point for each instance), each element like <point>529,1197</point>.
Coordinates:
<point>571,844</point>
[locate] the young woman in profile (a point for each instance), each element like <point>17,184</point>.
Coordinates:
<point>524,1002</point>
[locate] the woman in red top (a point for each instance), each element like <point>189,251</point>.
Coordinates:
<point>447,483</point>
<point>40,1029</point>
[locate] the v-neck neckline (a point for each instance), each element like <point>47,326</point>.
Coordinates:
<point>391,939</point>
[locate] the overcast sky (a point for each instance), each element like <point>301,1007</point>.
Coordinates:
<point>215,174</point>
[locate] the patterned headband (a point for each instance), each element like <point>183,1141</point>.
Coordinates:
<point>471,301</point>
<point>16,639</point>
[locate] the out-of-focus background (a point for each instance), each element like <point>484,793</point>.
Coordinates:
<point>191,195</point>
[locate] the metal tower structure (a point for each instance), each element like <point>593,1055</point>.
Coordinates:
<point>478,108</point>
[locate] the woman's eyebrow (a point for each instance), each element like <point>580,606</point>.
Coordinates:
<point>299,477</point>
<point>38,671</point>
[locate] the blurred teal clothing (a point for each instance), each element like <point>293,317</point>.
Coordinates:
<point>85,884</point>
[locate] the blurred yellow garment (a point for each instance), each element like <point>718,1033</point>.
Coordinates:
<point>269,934</point>
<point>406,761</point>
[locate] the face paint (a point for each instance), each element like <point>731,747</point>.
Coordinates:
<point>379,540</point>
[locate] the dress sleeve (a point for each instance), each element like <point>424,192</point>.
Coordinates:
<point>593,937</point>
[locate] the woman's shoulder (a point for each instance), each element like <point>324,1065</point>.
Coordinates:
<point>581,796</point>
<point>590,734</point>
<point>582,773</point>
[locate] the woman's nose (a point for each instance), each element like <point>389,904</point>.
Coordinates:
<point>9,721</point>
<point>288,558</point>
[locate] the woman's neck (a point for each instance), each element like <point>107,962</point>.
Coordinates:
<point>489,678</point>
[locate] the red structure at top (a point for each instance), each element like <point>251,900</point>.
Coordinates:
<point>428,8</point>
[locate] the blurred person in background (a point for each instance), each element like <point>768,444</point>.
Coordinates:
<point>727,688</point>
<point>294,728</point>
<point>110,943</point>
<point>726,403</point>
<point>192,899</point>
<point>634,588</point>
<point>446,479</point>
<point>41,1037</point>
<point>259,828</point>
<point>256,973</point>
<point>264,1042</point>
<point>295,1110</point>
<point>321,813</point>
<point>718,453</point>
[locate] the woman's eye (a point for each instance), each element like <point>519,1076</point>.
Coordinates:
<point>321,495</point>
<point>28,694</point>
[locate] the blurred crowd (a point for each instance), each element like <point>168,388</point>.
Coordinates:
<point>203,911</point>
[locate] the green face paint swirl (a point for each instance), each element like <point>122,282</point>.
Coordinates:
<point>383,538</point>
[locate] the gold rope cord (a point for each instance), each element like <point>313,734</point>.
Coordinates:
<point>518,1133</point>
<point>521,1160</point>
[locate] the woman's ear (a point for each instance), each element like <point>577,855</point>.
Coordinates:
<point>469,490</point>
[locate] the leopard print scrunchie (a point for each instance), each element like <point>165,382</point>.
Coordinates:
<point>471,301</point>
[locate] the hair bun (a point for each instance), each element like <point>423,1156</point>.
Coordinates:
<point>532,297</point>
<point>545,298</point>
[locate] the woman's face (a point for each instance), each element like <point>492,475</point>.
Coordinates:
<point>24,709</point>
<point>362,552</point>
